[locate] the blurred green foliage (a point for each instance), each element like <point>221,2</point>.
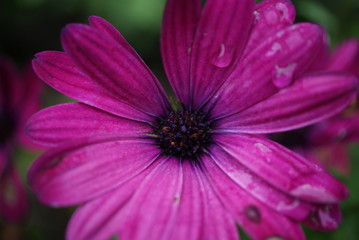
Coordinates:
<point>30,26</point>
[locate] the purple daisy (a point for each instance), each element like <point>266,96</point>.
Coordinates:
<point>19,99</point>
<point>141,169</point>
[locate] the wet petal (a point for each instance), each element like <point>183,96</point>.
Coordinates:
<point>60,72</point>
<point>252,215</point>
<point>219,42</point>
<point>263,72</point>
<point>259,187</point>
<point>179,23</point>
<point>310,99</point>
<point>116,68</point>
<point>270,16</point>
<point>280,167</point>
<point>79,170</point>
<point>325,218</point>
<point>59,123</point>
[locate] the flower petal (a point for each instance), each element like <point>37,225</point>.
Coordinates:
<point>325,218</point>
<point>59,123</point>
<point>263,72</point>
<point>310,99</point>
<point>179,23</point>
<point>13,201</point>
<point>151,212</point>
<point>219,42</point>
<point>281,168</point>
<point>346,57</point>
<point>114,67</point>
<point>252,215</point>
<point>270,16</point>
<point>60,72</point>
<point>108,208</point>
<point>79,170</point>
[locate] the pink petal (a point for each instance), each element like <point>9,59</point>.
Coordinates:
<point>61,73</point>
<point>59,123</point>
<point>13,200</point>
<point>179,23</point>
<point>259,187</point>
<point>325,218</point>
<point>82,169</point>
<point>257,220</point>
<point>270,16</point>
<point>346,57</point>
<point>310,99</point>
<point>151,212</point>
<point>281,168</point>
<point>32,88</point>
<point>108,208</point>
<point>116,68</point>
<point>107,28</point>
<point>219,42</point>
<point>263,72</point>
<point>335,130</point>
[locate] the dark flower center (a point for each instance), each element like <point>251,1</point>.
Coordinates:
<point>183,134</point>
<point>7,125</point>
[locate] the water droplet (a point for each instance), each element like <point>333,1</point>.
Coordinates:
<point>283,11</point>
<point>284,75</point>
<point>275,238</point>
<point>224,56</point>
<point>263,148</point>
<point>276,47</point>
<point>252,213</point>
<point>257,16</point>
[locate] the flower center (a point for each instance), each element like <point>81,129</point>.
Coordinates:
<point>183,134</point>
<point>7,125</point>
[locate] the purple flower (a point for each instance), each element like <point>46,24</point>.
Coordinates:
<point>333,135</point>
<point>142,169</point>
<point>19,99</point>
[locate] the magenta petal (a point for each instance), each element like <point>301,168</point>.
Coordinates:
<point>264,71</point>
<point>61,73</point>
<point>152,211</point>
<point>219,42</point>
<point>346,57</point>
<point>59,123</point>
<point>336,130</point>
<point>310,99</point>
<point>270,16</point>
<point>106,27</point>
<point>325,218</point>
<point>179,23</point>
<point>109,207</point>
<point>280,167</point>
<point>13,200</point>
<point>79,170</point>
<point>259,188</point>
<point>253,216</point>
<point>114,67</point>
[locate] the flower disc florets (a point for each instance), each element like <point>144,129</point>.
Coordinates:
<point>183,134</point>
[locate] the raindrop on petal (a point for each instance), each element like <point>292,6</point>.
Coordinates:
<point>275,238</point>
<point>284,75</point>
<point>252,213</point>
<point>224,56</point>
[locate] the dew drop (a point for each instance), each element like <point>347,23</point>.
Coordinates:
<point>224,56</point>
<point>283,11</point>
<point>252,213</point>
<point>284,75</point>
<point>275,238</point>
